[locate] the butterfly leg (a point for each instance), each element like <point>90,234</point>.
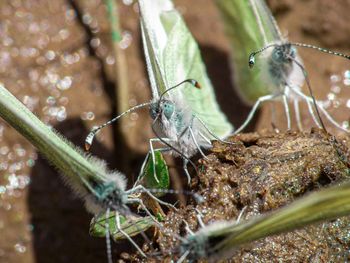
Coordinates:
<point>117,220</point>
<point>166,149</point>
<point>241,214</point>
<point>309,103</point>
<point>184,164</point>
<point>196,143</point>
<point>297,114</point>
<point>210,132</point>
<point>183,257</point>
<point>312,113</point>
<point>141,188</point>
<point>140,202</point>
<point>199,216</point>
<point>327,115</point>
<point>253,110</point>
<point>287,110</point>
<point>330,118</point>
<point>151,151</point>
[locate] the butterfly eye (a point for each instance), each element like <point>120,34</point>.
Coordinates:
<point>251,60</point>
<point>154,110</point>
<point>168,109</point>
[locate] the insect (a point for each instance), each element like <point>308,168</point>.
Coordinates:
<point>102,190</point>
<point>281,61</point>
<point>281,73</point>
<point>205,243</point>
<point>184,119</point>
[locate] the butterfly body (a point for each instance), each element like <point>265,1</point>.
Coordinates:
<point>206,243</point>
<point>280,64</point>
<point>175,121</point>
<point>109,194</point>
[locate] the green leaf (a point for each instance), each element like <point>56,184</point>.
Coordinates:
<point>131,226</point>
<point>161,172</point>
<point>245,36</point>
<point>172,55</point>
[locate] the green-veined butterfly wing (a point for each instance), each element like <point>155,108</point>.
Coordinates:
<point>177,57</point>
<point>249,26</point>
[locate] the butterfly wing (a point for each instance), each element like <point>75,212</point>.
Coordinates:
<point>249,26</point>
<point>182,60</point>
<point>154,40</point>
<point>174,56</point>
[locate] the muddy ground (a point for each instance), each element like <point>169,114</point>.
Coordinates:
<point>56,57</point>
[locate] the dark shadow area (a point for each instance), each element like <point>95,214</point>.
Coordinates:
<point>60,221</point>
<point>109,88</point>
<point>220,74</point>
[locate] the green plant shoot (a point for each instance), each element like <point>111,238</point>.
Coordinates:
<point>132,226</point>
<point>161,172</point>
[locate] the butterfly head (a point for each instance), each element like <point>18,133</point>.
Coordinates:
<point>165,107</point>
<point>282,54</point>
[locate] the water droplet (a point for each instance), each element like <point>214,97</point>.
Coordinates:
<point>348,103</point>
<point>346,82</point>
<point>126,39</point>
<point>65,83</point>
<point>50,55</point>
<point>19,247</point>
<point>2,191</point>
<point>87,19</point>
<point>330,96</point>
<point>88,116</point>
<point>110,60</point>
<point>61,114</point>
<point>4,150</point>
<point>134,116</point>
<point>30,162</point>
<point>95,42</point>
<point>128,2</point>
<point>347,74</point>
<point>336,89</point>
<point>50,101</point>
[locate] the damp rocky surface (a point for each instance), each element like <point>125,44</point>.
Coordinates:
<point>259,173</point>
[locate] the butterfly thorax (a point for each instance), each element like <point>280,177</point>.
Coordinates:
<point>109,195</point>
<point>281,63</point>
<point>173,120</point>
<point>196,245</point>
<point>167,114</point>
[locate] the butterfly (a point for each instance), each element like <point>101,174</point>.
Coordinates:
<point>101,189</point>
<point>186,116</point>
<point>280,73</point>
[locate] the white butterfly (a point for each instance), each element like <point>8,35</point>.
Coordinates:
<point>184,118</point>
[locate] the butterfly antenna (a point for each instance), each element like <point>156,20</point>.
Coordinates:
<point>172,147</point>
<point>324,50</point>
<point>191,81</point>
<point>108,239</point>
<point>251,61</point>
<point>89,139</point>
<point>307,80</point>
<point>197,197</point>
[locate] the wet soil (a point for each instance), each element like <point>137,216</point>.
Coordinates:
<point>259,174</point>
<point>56,57</point>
